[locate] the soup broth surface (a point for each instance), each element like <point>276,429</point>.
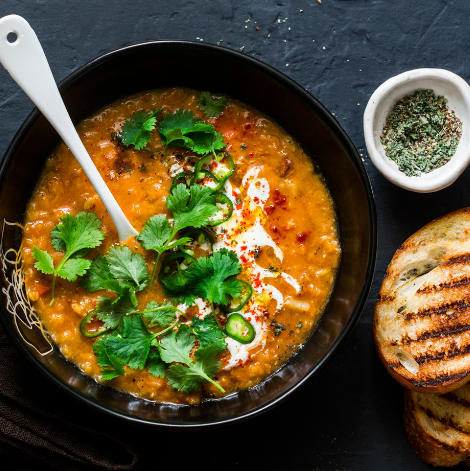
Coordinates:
<point>283,230</point>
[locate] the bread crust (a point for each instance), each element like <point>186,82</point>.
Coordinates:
<point>421,323</point>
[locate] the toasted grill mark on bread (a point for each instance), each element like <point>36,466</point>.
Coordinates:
<point>443,309</point>
<point>444,286</point>
<point>452,397</point>
<point>437,381</point>
<point>385,299</point>
<point>444,332</point>
<point>465,258</point>
<point>447,355</point>
<point>445,421</point>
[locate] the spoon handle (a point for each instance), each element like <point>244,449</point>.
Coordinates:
<point>24,59</point>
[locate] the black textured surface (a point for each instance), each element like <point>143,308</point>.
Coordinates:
<point>349,416</point>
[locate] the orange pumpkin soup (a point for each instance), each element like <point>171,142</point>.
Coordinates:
<point>223,308</point>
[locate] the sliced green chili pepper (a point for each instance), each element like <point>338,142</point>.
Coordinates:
<point>222,199</point>
<point>198,235</point>
<point>178,177</point>
<point>206,174</point>
<point>86,332</point>
<point>220,179</point>
<point>173,256</point>
<point>223,178</point>
<point>239,329</point>
<point>198,167</point>
<point>244,299</point>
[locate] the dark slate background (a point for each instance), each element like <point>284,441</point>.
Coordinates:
<point>348,417</point>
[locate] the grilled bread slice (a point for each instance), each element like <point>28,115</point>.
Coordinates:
<point>422,316</point>
<point>438,427</point>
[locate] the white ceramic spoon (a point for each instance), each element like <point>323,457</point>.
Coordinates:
<point>25,61</point>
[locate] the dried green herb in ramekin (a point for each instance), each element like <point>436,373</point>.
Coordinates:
<point>421,133</point>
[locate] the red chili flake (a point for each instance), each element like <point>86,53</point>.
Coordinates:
<point>274,229</point>
<point>256,200</point>
<point>243,259</point>
<point>244,247</point>
<point>269,209</point>
<point>251,154</point>
<point>302,236</point>
<point>256,280</point>
<point>279,198</point>
<point>247,126</point>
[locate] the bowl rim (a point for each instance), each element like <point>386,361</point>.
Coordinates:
<point>340,134</point>
<point>447,175</point>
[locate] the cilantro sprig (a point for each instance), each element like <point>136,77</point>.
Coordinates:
<point>188,375</point>
<point>75,236</point>
<point>137,131</point>
<point>183,129</point>
<point>212,107</point>
<point>133,345</point>
<point>210,278</point>
<point>191,207</point>
<point>117,271</point>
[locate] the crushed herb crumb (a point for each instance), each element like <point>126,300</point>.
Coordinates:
<point>278,327</point>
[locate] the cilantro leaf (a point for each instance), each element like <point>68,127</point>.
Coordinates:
<point>72,268</point>
<point>183,129</point>
<point>137,130</point>
<point>208,332</point>
<point>99,277</point>
<point>132,345</point>
<point>204,143</point>
<point>111,366</point>
<point>44,261</point>
<point>155,364</point>
<point>127,267</point>
<point>75,236</point>
<point>212,107</point>
<point>156,233</point>
<point>189,376</point>
<point>210,277</point>
<point>183,120</point>
<point>191,206</point>
<point>111,312</point>
<point>77,233</point>
<point>160,314</point>
<point>176,346</point>
<point>179,287</point>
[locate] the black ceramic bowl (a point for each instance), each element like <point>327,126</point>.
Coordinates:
<point>167,64</point>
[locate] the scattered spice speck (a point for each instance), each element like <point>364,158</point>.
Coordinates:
<point>421,134</point>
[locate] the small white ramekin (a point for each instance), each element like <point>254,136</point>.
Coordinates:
<point>443,82</point>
